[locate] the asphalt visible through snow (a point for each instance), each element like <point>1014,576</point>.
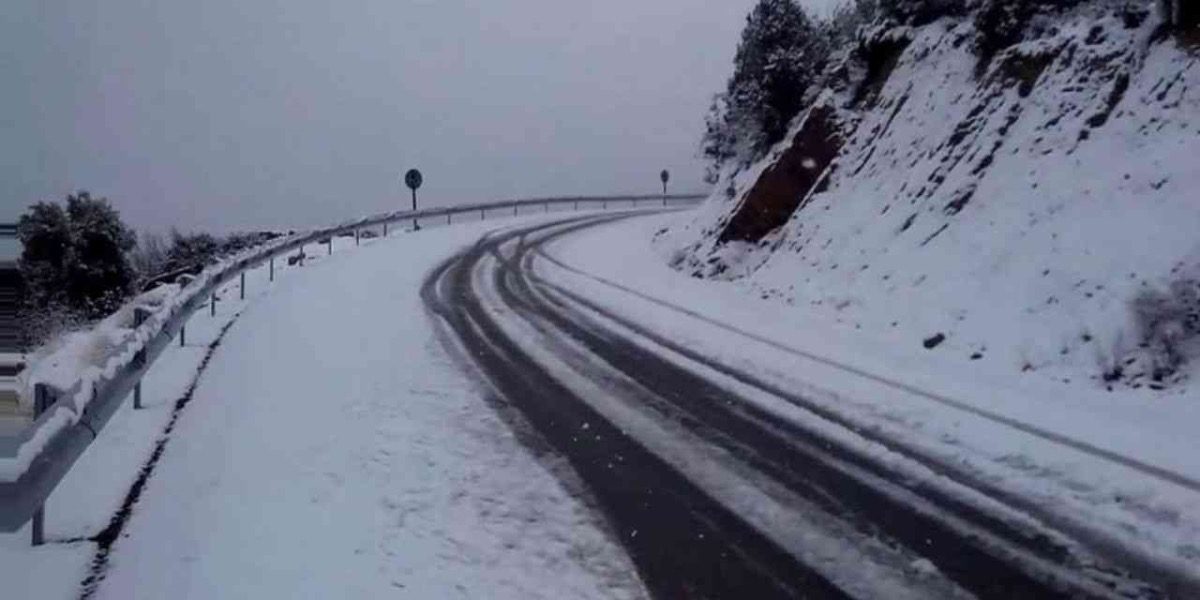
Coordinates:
<point>685,537</point>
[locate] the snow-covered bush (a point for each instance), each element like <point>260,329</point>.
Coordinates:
<point>157,256</point>
<point>850,18</point>
<point>1000,23</point>
<point>876,50</point>
<point>1168,321</point>
<point>48,321</point>
<point>149,257</point>
<point>921,12</point>
<point>190,250</point>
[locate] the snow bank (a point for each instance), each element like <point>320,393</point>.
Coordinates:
<point>60,361</point>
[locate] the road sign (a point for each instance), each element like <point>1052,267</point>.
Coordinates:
<point>413,179</point>
<point>665,176</point>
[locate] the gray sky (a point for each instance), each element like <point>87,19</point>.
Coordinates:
<point>228,114</point>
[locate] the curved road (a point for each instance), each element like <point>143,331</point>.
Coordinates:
<point>711,496</point>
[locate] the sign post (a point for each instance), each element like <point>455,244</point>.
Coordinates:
<point>413,180</point>
<point>665,176</point>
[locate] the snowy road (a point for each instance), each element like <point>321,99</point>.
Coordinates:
<point>611,445</point>
<point>331,450</point>
<point>684,451</point>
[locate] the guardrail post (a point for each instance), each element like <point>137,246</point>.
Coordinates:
<point>272,268</point>
<point>448,215</point>
<point>604,204</point>
<point>140,315</point>
<point>385,229</point>
<point>355,237</point>
<point>329,246</point>
<point>242,287</point>
<point>483,214</point>
<point>302,254</point>
<point>38,526</point>
<point>183,334</point>
<point>212,305</point>
<point>515,210</point>
<point>43,398</point>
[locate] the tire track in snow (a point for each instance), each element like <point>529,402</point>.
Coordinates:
<point>1051,436</point>
<point>106,539</point>
<point>684,544</point>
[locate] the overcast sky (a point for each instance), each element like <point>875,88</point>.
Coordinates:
<point>231,114</point>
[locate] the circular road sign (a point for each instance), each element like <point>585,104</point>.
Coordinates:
<point>413,179</point>
<point>664,176</point>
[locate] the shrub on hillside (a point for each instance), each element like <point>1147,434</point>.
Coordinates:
<point>1000,23</point>
<point>1168,322</point>
<point>237,242</point>
<point>149,257</point>
<point>189,250</point>
<point>157,256</point>
<point>850,19</point>
<point>920,12</point>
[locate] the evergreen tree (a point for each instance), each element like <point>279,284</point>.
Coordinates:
<point>77,258</point>
<point>46,241</point>
<point>780,55</point>
<point>100,277</point>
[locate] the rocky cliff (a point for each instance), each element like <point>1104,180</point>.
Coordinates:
<point>1038,205</point>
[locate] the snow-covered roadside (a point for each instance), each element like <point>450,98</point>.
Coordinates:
<point>91,493</point>
<point>1160,517</point>
<point>333,450</point>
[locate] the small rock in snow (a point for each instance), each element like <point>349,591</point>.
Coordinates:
<point>922,567</point>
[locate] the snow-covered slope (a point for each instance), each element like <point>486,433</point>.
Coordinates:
<point>1018,206</point>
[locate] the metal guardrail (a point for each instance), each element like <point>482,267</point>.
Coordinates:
<point>171,276</point>
<point>62,430</point>
<point>8,230</point>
